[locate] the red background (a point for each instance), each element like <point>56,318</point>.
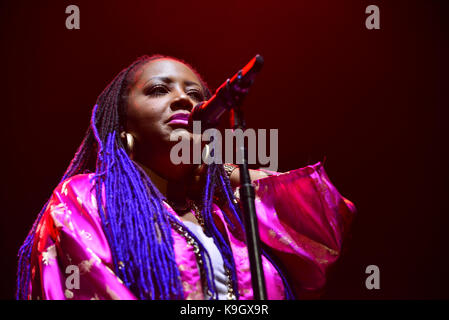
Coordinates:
<point>373,102</point>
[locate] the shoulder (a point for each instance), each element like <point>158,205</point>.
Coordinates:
<point>79,184</point>
<point>72,223</point>
<point>72,200</point>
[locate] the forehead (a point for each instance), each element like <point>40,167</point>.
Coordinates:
<point>167,68</point>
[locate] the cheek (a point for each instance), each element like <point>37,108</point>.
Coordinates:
<point>144,115</point>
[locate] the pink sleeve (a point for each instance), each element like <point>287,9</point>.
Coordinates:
<point>70,245</point>
<point>303,219</point>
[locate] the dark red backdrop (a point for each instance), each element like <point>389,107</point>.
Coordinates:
<point>374,103</point>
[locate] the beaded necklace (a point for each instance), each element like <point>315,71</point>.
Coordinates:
<point>181,230</point>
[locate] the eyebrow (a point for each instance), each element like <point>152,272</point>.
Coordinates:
<point>169,80</point>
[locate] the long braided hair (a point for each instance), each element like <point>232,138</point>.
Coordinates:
<point>134,218</point>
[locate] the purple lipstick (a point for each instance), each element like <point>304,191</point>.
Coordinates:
<point>179,119</point>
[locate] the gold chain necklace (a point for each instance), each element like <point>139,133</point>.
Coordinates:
<point>189,207</point>
<point>196,211</point>
<point>196,249</point>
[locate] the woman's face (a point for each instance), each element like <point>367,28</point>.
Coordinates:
<point>160,99</point>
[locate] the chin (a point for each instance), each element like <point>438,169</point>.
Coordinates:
<point>180,133</point>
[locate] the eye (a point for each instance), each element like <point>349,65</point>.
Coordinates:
<point>157,90</point>
<point>196,95</point>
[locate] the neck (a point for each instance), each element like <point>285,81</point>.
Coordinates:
<point>159,182</point>
<point>175,191</point>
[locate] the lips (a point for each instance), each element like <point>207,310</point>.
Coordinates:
<point>179,119</point>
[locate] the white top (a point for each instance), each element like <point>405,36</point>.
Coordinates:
<point>215,257</point>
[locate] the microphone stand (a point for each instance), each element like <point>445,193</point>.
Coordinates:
<point>229,96</point>
<point>247,196</point>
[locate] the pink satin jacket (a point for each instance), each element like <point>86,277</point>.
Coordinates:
<point>302,219</point>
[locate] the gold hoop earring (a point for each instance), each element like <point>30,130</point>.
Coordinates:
<point>129,142</point>
<point>206,154</point>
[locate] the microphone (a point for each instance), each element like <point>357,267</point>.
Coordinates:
<point>228,96</point>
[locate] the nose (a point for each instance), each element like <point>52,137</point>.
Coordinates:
<point>182,101</point>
